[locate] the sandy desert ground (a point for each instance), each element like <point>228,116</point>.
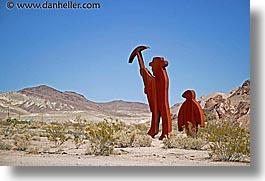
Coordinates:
<point>155,155</point>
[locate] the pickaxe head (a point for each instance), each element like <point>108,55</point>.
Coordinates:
<point>137,51</point>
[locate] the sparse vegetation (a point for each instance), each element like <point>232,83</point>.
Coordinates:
<point>78,131</point>
<point>101,139</point>
<point>132,136</point>
<point>56,133</point>
<point>22,142</point>
<point>105,136</point>
<point>179,140</point>
<point>228,141</point>
<point>7,128</point>
<point>5,146</point>
<point>138,139</point>
<point>225,140</point>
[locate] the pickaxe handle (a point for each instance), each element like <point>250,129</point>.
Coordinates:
<point>140,60</point>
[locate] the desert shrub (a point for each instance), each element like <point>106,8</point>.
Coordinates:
<point>227,140</point>
<point>143,128</point>
<point>56,133</point>
<point>122,139</point>
<point>11,120</point>
<point>101,139</point>
<point>191,131</point>
<point>178,140</point>
<point>134,139</point>
<point>10,127</point>
<point>106,135</point>
<point>5,146</point>
<point>138,139</point>
<point>170,141</point>
<point>43,133</point>
<point>5,122</point>
<point>79,140</point>
<point>118,126</point>
<point>132,136</point>
<point>190,143</point>
<point>22,142</point>
<point>20,128</point>
<point>8,131</point>
<point>7,128</point>
<point>78,131</point>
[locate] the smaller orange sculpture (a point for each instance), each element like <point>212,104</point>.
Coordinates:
<point>190,111</point>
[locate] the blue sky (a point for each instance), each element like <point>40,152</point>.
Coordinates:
<point>206,43</point>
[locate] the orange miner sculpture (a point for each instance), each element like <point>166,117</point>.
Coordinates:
<point>156,89</point>
<point>190,111</point>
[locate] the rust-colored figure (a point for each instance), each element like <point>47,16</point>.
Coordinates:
<point>156,89</point>
<point>190,111</point>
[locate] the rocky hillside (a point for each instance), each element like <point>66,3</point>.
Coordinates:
<point>234,106</point>
<point>45,99</point>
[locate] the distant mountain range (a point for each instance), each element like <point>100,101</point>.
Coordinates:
<point>46,100</point>
<point>43,101</point>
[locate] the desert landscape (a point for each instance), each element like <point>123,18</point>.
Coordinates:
<point>45,127</point>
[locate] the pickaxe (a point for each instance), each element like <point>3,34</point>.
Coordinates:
<point>137,51</point>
